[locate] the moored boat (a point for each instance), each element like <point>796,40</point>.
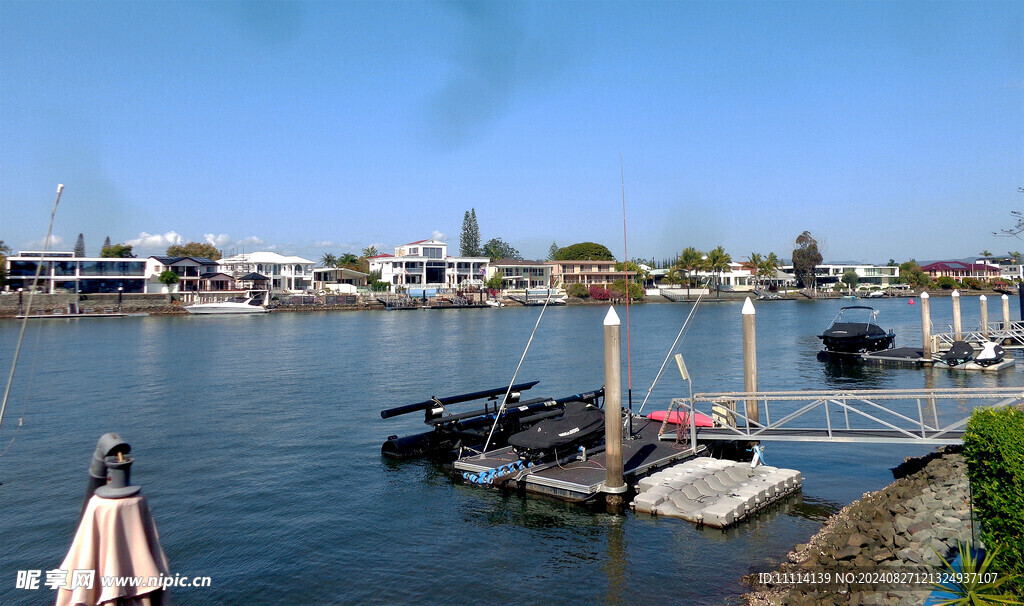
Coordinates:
<point>854,331</point>
<point>255,302</point>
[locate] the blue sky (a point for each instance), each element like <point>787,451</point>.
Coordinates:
<point>886,129</point>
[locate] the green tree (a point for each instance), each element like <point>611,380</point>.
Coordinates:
<point>106,243</point>
<point>805,258</point>
<point>945,282</point>
<point>80,246</point>
<point>675,275</point>
<point>469,241</point>
<point>495,282</point>
<point>640,275</point>
<point>552,251</point>
<point>690,260</point>
<point>1015,256</point>
<point>769,266</point>
<point>851,279</point>
<point>168,278</point>
<point>203,250</point>
<point>370,251</point>
<point>496,248</point>
<point>910,273</point>
<point>4,251</point>
<point>635,290</point>
<point>123,251</point>
<point>584,251</point>
<point>328,260</point>
<point>348,260</point>
<point>718,261</point>
<point>580,291</point>
<point>755,261</point>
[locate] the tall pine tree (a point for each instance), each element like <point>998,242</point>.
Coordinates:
<point>80,246</point>
<point>469,241</point>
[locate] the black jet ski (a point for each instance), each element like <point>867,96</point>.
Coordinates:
<point>958,353</point>
<point>854,331</point>
<point>582,424</point>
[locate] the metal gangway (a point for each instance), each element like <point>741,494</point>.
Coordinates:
<point>886,416</point>
<point>1010,334</point>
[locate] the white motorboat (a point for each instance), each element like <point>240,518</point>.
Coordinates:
<point>255,302</point>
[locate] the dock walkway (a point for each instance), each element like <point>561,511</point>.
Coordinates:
<point>577,480</point>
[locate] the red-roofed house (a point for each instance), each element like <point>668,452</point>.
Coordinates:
<point>959,270</point>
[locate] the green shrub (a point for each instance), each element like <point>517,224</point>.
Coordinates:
<point>580,291</point>
<point>945,282</point>
<point>994,449</point>
<point>973,283</point>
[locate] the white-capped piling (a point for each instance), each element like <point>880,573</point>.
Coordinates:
<point>614,483</point>
<point>750,358</point>
<point>957,327</point>
<point>926,326</point>
<point>1006,311</point>
<point>983,301</point>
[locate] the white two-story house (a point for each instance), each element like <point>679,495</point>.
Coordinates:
<point>425,264</point>
<point>284,273</point>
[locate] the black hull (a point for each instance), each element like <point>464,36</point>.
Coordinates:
<point>858,344</point>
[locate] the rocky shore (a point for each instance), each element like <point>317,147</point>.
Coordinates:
<point>900,529</point>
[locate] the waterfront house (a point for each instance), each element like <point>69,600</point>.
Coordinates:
<point>521,274</point>
<point>63,272</point>
<point>195,274</point>
<point>285,273</point>
<point>959,270</point>
<point>828,275</point>
<point>426,264</point>
<point>587,273</point>
<point>338,279</point>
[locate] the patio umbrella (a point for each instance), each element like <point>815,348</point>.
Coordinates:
<point>116,537</point>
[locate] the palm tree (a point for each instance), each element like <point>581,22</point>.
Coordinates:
<point>1016,256</point>
<point>674,275</point>
<point>718,261</point>
<point>329,260</point>
<point>755,260</point>
<point>690,261</point>
<point>769,266</point>
<point>348,260</point>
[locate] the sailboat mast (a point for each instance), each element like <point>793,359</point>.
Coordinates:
<point>625,253</point>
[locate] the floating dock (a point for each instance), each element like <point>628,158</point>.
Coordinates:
<point>579,479</point>
<point>908,356</point>
<point>714,492</point>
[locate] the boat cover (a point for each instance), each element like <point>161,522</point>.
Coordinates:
<point>579,423</point>
<point>681,418</point>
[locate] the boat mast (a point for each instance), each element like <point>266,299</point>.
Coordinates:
<point>28,308</point>
<point>625,253</point>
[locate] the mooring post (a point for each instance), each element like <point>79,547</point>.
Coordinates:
<point>983,300</point>
<point>1020,299</point>
<point>614,484</point>
<point>926,327</point>
<point>1006,312</point>
<point>957,330</point>
<point>750,358</point>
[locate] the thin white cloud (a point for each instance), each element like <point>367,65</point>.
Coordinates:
<point>149,243</point>
<point>219,241</point>
<point>55,241</point>
<point>439,235</point>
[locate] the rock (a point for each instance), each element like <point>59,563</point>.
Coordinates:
<point>848,553</point>
<point>857,540</point>
<point>917,527</point>
<point>901,523</point>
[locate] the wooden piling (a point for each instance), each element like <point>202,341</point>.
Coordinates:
<point>750,358</point>
<point>957,326</point>
<point>1006,312</point>
<point>983,301</point>
<point>614,484</point>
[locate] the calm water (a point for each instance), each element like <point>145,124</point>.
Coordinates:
<point>257,445</point>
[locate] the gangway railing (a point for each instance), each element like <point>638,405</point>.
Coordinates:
<point>1010,334</point>
<point>888,416</point>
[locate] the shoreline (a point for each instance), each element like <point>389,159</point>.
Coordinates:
<point>902,528</point>
<point>156,304</point>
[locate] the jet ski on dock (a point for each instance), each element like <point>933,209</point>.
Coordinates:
<point>454,432</point>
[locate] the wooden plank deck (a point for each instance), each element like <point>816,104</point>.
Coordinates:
<point>581,480</point>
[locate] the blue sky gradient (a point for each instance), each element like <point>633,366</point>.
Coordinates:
<point>887,129</point>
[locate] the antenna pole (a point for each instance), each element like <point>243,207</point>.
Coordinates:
<point>629,359</point>
<point>28,308</point>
